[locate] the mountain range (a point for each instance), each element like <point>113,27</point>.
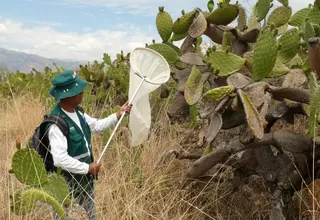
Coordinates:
<point>12,61</point>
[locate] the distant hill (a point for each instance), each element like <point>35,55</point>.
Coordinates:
<point>13,61</point>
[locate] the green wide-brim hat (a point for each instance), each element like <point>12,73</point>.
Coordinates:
<point>67,84</point>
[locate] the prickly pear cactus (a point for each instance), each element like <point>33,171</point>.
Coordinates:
<point>223,15</point>
<point>58,189</point>
<point>219,93</point>
<point>24,201</point>
<point>224,62</point>
<point>28,167</point>
<point>265,54</point>
<point>194,86</point>
<point>164,24</point>
<point>252,115</point>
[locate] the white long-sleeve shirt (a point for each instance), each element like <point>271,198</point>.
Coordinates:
<point>59,144</point>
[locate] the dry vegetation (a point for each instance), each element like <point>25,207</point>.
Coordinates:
<point>131,185</point>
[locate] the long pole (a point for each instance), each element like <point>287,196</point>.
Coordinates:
<point>122,116</point>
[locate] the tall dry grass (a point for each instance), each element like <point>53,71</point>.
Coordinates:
<point>128,186</point>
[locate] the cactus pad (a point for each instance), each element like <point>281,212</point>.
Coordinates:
<point>214,127</point>
<point>58,188</point>
<point>264,55</point>
<point>181,77</point>
<point>28,167</point>
<point>228,37</point>
<point>284,2</point>
<point>314,15</point>
<point>280,16</point>
<point>182,24</point>
<point>253,118</point>
<point>164,24</point>
<point>239,81</point>
<point>298,18</point>
<point>290,43</point>
<point>242,18</point>
<point>226,63</point>
<point>166,51</point>
<point>219,93</point>
<point>192,59</point>
<point>198,27</point>
<point>308,31</point>
<point>255,92</point>
<point>223,15</point>
<point>194,86</point>
<point>279,69</point>
<point>29,197</point>
<point>262,9</point>
<point>178,37</point>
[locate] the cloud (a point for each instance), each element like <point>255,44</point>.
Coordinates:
<point>47,42</point>
<point>150,8</point>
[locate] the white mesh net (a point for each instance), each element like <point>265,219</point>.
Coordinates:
<point>151,65</point>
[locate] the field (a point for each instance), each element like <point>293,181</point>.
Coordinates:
<point>234,130</point>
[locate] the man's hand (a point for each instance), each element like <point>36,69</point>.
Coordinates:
<point>125,108</point>
<point>94,168</point>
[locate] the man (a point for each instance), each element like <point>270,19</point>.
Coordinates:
<point>74,153</point>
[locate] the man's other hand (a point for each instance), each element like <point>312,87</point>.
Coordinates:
<point>94,168</point>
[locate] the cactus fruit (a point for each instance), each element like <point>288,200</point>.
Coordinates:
<point>198,26</point>
<point>262,7</point>
<point>223,15</point>
<point>166,51</point>
<point>219,93</point>
<point>194,86</point>
<point>164,24</point>
<point>290,43</point>
<point>298,18</point>
<point>242,18</point>
<point>18,143</point>
<point>228,37</point>
<point>226,63</point>
<point>264,55</point>
<point>280,16</point>
<point>28,167</point>
<point>210,5</point>
<point>252,115</point>
<point>58,188</point>
<point>192,59</point>
<point>182,24</point>
<point>284,2</point>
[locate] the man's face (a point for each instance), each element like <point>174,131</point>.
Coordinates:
<point>75,100</point>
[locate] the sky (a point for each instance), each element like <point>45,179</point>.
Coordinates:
<point>85,29</point>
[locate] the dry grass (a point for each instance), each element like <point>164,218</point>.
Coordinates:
<point>128,186</point>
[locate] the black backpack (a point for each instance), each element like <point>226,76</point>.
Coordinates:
<point>40,142</point>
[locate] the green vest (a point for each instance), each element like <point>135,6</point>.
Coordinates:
<point>77,148</point>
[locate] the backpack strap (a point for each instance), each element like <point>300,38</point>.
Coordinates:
<point>59,121</point>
